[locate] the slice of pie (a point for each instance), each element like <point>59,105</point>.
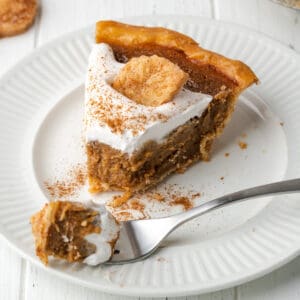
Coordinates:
<point>74,232</point>
<point>154,103</point>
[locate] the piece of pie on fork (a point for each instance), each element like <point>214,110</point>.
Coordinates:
<point>154,103</point>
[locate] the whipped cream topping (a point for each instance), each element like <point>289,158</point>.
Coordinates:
<point>113,119</point>
<point>104,240</point>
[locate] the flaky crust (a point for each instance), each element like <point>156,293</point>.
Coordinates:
<point>16,16</point>
<point>115,33</point>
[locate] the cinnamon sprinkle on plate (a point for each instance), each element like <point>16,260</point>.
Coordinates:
<point>184,201</point>
<point>61,188</point>
<point>243,145</point>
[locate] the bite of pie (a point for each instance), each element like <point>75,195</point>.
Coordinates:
<point>74,232</point>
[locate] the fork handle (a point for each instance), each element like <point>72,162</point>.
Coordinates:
<point>282,187</point>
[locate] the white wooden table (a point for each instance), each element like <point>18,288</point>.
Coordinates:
<point>21,280</point>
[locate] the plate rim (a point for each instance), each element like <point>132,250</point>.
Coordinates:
<point>134,291</point>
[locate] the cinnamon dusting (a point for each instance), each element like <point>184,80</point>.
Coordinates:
<point>243,145</point>
<point>62,188</point>
<point>123,216</point>
<point>119,200</point>
<point>136,205</point>
<point>120,117</point>
<point>159,197</point>
<point>133,204</point>
<point>184,201</point>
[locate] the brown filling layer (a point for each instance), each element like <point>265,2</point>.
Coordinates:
<point>203,78</point>
<point>110,169</point>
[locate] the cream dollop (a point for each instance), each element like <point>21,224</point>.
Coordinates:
<point>134,123</point>
<point>105,239</point>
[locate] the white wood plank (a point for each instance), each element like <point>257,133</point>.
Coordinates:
<point>11,273</point>
<point>160,298</point>
<point>281,284</point>
<point>46,286</point>
<point>228,294</point>
<point>41,285</point>
<point>274,20</point>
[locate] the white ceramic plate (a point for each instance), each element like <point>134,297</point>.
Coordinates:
<point>40,117</point>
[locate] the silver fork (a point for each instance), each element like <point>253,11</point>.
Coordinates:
<point>141,238</point>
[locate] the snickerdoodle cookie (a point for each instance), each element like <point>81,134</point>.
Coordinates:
<point>16,16</point>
